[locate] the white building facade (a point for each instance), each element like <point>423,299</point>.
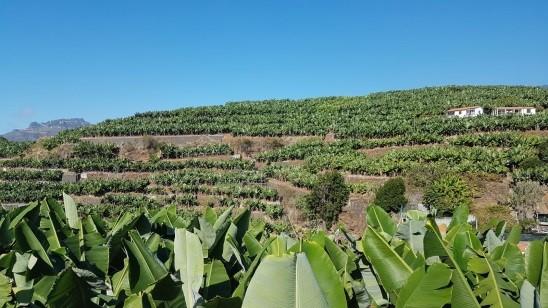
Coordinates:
<point>514,110</point>
<point>465,112</point>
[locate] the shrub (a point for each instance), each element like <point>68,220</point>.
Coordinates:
<point>531,162</point>
<point>245,145</point>
<point>390,196</point>
<point>327,198</point>
<point>488,214</point>
<point>150,143</point>
<point>446,194</point>
<point>274,143</point>
<point>274,211</point>
<point>419,176</point>
<point>525,199</point>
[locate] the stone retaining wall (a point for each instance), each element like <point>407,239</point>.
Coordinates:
<point>141,141</point>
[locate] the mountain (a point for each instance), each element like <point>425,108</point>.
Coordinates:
<point>44,129</point>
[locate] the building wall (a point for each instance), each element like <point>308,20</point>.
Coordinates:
<point>465,113</point>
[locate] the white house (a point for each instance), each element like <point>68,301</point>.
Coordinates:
<point>514,110</point>
<point>465,112</point>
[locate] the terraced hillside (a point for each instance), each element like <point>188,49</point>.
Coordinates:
<point>268,154</point>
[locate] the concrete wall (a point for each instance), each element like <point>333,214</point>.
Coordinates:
<point>139,141</point>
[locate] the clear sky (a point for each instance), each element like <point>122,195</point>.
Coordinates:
<point>110,58</point>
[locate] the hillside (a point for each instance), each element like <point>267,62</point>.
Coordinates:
<point>377,115</point>
<point>45,129</point>
<point>266,155</point>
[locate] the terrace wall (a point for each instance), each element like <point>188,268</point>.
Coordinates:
<point>140,141</point>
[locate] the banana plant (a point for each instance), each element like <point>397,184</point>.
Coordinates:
<point>50,255</point>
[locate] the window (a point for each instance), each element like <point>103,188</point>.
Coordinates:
<point>543,218</point>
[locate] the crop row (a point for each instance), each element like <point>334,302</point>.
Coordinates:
<point>172,151</point>
<point>309,148</point>
<point>144,201</point>
<point>378,115</point>
<point>297,176</point>
<point>24,191</point>
<point>12,148</point>
<point>302,150</point>
<point>31,175</point>
<point>537,174</point>
<point>499,139</point>
<point>462,159</point>
<point>229,190</point>
<point>89,150</point>
<point>196,176</point>
<point>123,165</point>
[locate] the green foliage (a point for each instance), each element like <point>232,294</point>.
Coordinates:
<point>53,258</point>
<point>419,111</point>
<point>31,175</point>
<point>536,174</point>
<point>124,165</point>
<point>421,176</point>
<point>316,147</point>
<point>447,193</point>
<point>391,196</point>
<point>25,191</point>
<point>486,215</point>
<point>89,150</point>
<point>297,176</point>
<point>543,150</point>
<point>172,151</point>
<point>532,163</point>
<point>327,198</point>
<point>497,139</point>
<point>363,188</point>
<point>398,161</point>
<point>210,177</point>
<point>12,148</point>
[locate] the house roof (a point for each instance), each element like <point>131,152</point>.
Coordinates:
<point>464,108</point>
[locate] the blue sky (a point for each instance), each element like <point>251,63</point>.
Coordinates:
<point>103,59</point>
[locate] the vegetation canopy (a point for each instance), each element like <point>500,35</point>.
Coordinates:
<point>53,257</point>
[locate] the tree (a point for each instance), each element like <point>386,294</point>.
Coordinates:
<point>391,196</point>
<point>525,199</point>
<point>447,193</point>
<point>328,197</point>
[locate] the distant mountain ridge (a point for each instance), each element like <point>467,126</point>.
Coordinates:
<point>45,129</point>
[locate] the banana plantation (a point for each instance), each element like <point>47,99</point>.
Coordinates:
<point>52,255</point>
<point>419,111</point>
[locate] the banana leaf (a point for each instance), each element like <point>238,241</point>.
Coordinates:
<point>71,212</point>
<point>189,261</point>
<point>378,219</point>
<point>391,269</point>
<point>285,281</point>
<point>428,289</point>
<point>70,291</point>
<point>534,262</point>
<point>434,245</point>
<point>144,268</point>
<point>217,282</point>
